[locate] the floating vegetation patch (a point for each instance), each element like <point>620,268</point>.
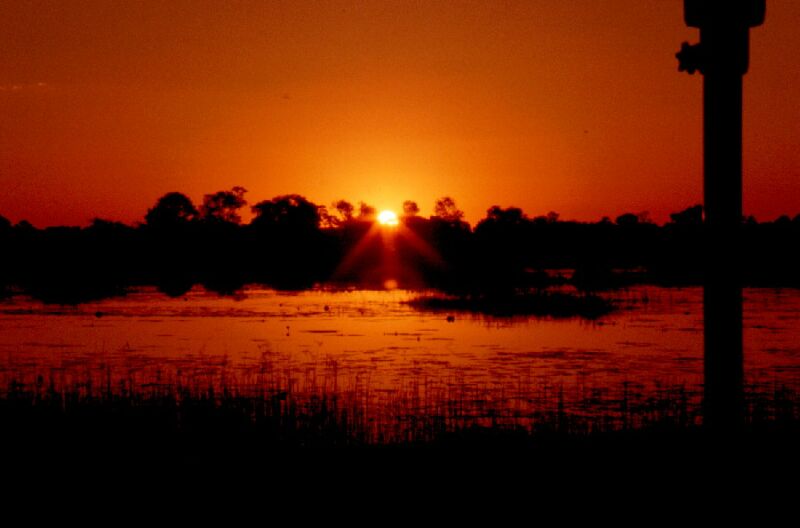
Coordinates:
<point>537,304</point>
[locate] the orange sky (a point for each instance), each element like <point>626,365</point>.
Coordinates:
<point>573,106</point>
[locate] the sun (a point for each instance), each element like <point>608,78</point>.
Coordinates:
<point>387,218</point>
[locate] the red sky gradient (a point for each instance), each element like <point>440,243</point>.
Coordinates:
<point>572,106</point>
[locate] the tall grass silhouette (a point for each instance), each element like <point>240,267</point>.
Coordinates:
<point>277,404</point>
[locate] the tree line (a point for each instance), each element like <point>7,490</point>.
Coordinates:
<point>293,243</point>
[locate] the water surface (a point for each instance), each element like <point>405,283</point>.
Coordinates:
<point>373,348</point>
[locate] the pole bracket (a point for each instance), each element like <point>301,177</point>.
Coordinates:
<point>691,58</point>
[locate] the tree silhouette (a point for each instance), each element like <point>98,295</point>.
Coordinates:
<point>290,211</point>
<point>503,245</point>
<point>410,208</point>
<point>288,246</point>
<point>172,210</point>
<point>690,216</point>
<point>5,225</point>
<point>326,219</point>
<point>447,211</point>
<point>345,210</point>
<point>343,214</point>
<point>783,220</point>
<point>24,227</point>
<point>5,234</point>
<point>550,218</point>
<point>366,212</point>
<point>627,220</point>
<point>223,206</point>
<point>509,216</point>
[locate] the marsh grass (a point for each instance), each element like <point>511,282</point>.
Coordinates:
<point>259,406</point>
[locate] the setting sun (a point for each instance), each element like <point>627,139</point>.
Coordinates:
<point>387,218</point>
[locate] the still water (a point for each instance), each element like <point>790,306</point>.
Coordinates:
<point>373,347</point>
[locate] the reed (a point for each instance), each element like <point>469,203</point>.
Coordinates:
<point>280,406</point>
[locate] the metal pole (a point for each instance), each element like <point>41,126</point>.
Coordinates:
<point>722,57</point>
<point>722,294</point>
